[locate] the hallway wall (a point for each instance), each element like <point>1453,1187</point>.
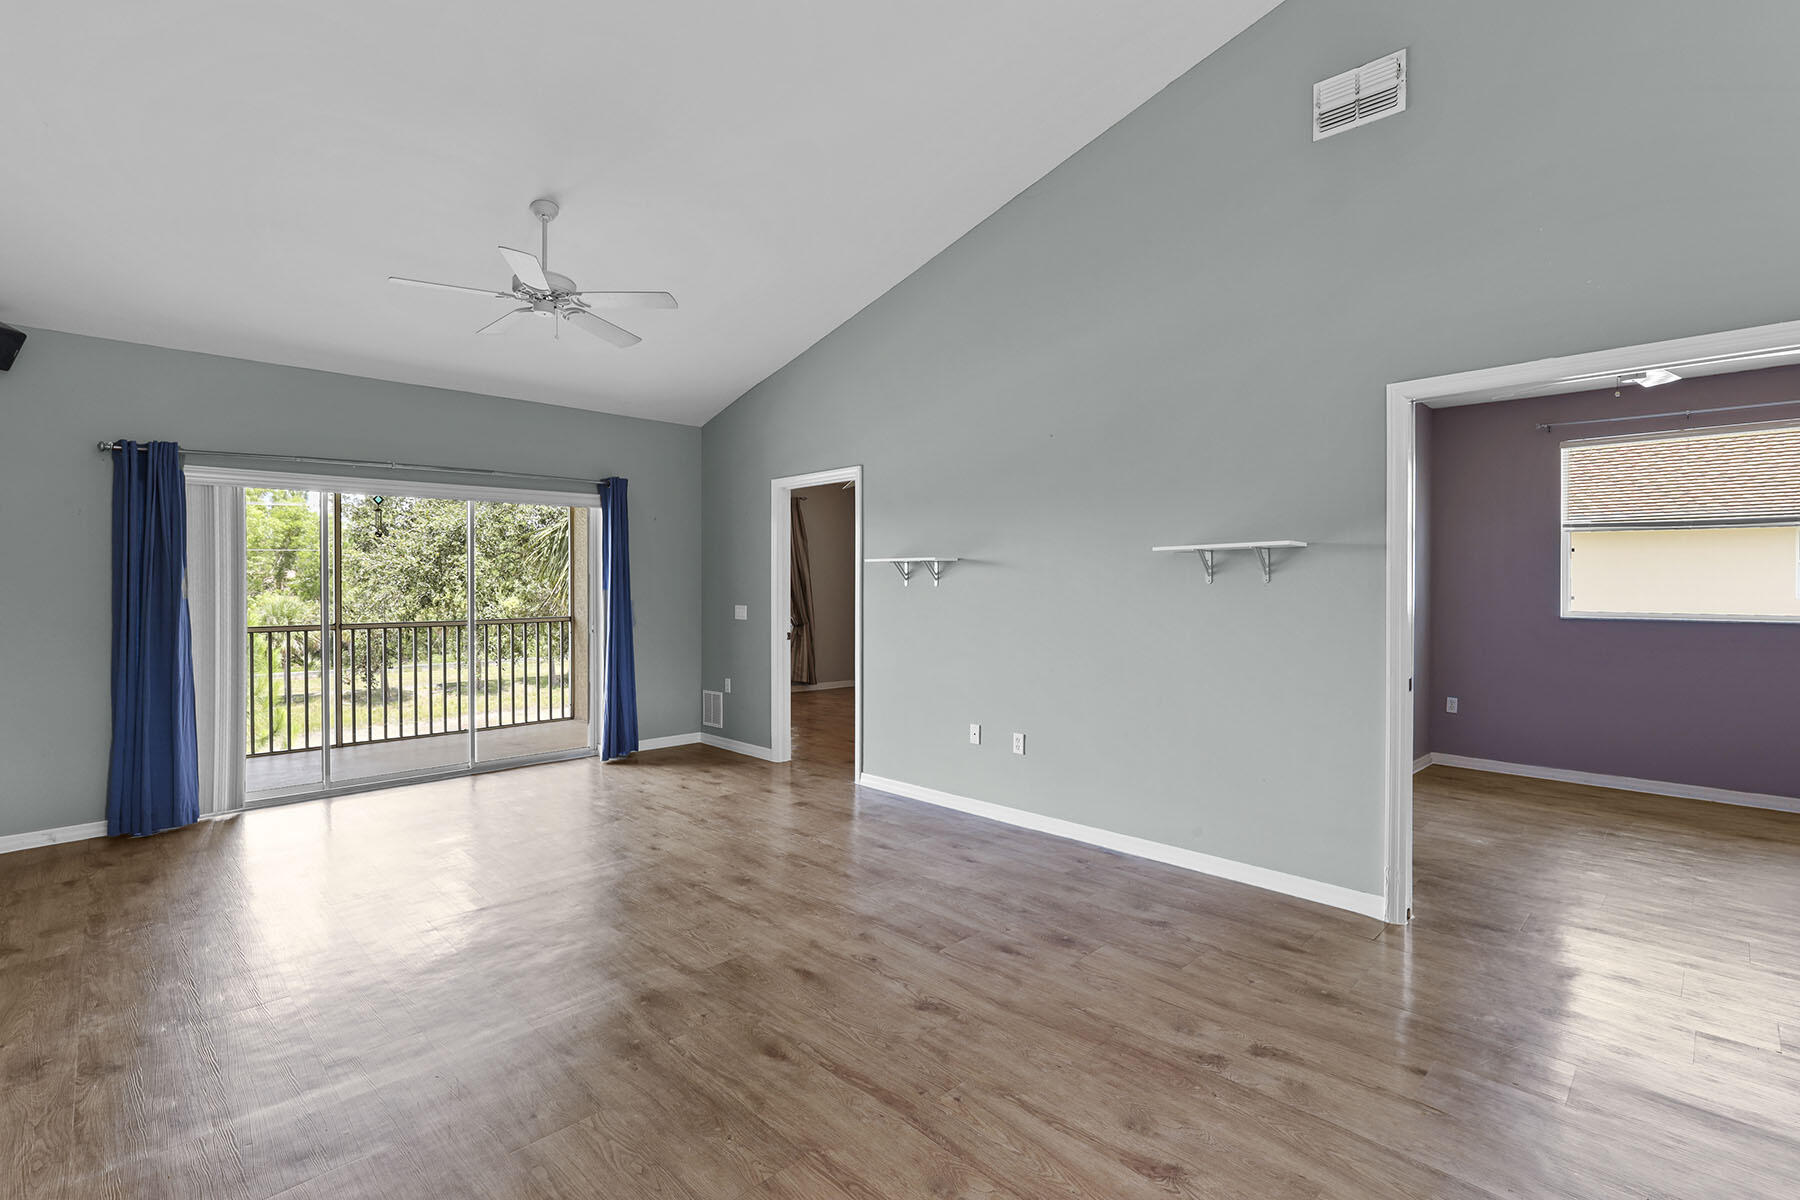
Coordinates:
<point>831,535</point>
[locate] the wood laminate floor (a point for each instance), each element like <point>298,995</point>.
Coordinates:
<point>824,729</point>
<point>698,975</point>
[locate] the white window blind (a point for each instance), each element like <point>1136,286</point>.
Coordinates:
<point>1732,477</point>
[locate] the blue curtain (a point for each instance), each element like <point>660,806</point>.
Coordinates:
<point>153,782</point>
<point>619,729</point>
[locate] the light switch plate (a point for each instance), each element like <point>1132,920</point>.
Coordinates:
<point>741,612</point>
<point>1449,704</point>
<point>728,685</point>
<point>974,735</point>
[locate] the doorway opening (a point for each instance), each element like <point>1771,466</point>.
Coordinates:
<point>1630,368</point>
<point>822,624</point>
<point>816,620</point>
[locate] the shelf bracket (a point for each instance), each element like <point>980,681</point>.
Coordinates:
<point>934,564</point>
<point>1207,552</point>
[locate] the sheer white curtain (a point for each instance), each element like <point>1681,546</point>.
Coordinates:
<point>215,590</point>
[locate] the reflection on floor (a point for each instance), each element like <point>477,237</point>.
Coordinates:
<point>824,728</point>
<point>700,975</point>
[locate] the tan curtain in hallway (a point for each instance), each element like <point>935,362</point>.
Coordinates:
<point>800,601</point>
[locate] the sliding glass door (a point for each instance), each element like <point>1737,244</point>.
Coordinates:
<point>530,605</point>
<point>394,636</point>
<point>287,634</point>
<point>400,592</point>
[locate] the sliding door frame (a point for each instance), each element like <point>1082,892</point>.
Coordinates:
<point>470,494</point>
<point>332,698</point>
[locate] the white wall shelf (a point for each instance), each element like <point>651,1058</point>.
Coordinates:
<point>934,563</point>
<point>1206,551</point>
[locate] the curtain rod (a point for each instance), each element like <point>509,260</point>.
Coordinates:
<point>110,447</point>
<point>1686,412</point>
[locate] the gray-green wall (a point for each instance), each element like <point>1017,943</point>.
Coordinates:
<point>1184,333</point>
<point>66,393</point>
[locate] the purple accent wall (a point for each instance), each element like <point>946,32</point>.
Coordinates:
<point>1705,703</point>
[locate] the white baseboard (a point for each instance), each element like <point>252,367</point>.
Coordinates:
<point>824,687</point>
<point>52,837</point>
<point>744,748</point>
<point>1624,783</point>
<point>674,739</point>
<point>1421,762</point>
<point>1367,904</point>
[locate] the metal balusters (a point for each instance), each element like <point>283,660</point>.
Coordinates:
<point>519,672</point>
<point>269,683</point>
<point>306,671</point>
<point>386,727</point>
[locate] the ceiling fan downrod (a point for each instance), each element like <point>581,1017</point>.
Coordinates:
<point>545,211</point>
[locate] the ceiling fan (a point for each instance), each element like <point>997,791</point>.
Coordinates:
<point>545,293</point>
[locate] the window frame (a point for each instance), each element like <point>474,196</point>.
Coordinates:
<point>1565,535</point>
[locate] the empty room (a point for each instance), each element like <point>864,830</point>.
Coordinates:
<point>804,601</point>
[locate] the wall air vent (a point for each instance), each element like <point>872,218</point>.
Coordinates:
<point>712,709</point>
<point>1369,93</point>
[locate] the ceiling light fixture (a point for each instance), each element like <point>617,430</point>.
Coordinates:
<point>1655,377</point>
<point>1717,360</point>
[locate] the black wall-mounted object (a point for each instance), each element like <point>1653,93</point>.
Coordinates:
<point>10,341</point>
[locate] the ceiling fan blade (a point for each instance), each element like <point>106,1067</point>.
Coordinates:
<point>505,321</point>
<point>448,287</point>
<point>526,267</point>
<point>628,299</point>
<point>605,330</point>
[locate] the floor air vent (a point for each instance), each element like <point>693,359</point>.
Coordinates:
<point>1369,93</point>
<point>712,709</point>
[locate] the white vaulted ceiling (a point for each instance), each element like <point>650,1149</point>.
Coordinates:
<point>241,178</point>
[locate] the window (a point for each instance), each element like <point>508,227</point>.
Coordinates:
<point>1693,526</point>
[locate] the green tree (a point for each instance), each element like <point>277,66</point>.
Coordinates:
<point>282,608</point>
<point>403,558</point>
<point>521,560</point>
<point>281,562</point>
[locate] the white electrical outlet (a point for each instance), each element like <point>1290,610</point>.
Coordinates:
<point>1018,743</point>
<point>728,685</point>
<point>1450,704</point>
<point>741,612</point>
<point>974,735</point>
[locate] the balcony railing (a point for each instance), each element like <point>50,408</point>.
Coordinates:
<point>406,679</point>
